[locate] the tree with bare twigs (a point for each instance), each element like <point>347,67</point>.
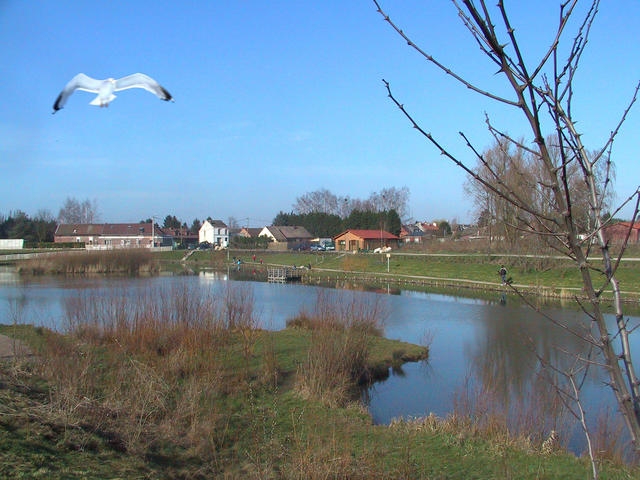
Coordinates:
<point>74,211</point>
<point>542,199</point>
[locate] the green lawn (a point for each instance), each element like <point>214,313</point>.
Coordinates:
<point>525,271</point>
<point>247,428</point>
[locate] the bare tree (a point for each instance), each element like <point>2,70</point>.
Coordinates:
<point>44,225</point>
<point>392,198</point>
<point>74,211</point>
<point>541,90</point>
<point>232,222</point>
<point>322,201</point>
<point>504,164</point>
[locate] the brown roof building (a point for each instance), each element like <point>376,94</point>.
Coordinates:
<point>364,240</point>
<point>287,237</point>
<point>617,233</point>
<point>112,235</point>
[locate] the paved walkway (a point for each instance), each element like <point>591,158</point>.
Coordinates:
<point>10,347</point>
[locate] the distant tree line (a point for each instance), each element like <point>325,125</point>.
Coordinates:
<point>322,213</point>
<point>327,225</point>
<point>325,214</point>
<point>325,201</point>
<point>171,222</point>
<point>18,224</point>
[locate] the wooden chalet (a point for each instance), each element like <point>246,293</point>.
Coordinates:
<point>354,240</point>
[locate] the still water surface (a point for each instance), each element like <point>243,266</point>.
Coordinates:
<point>489,345</point>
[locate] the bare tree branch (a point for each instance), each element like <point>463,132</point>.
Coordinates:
<point>440,65</point>
<point>568,188</point>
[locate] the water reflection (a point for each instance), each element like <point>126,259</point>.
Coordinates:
<point>484,352</point>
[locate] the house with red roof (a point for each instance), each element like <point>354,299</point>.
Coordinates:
<point>113,235</point>
<point>617,233</point>
<point>354,240</point>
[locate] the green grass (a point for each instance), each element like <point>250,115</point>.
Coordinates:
<point>262,430</point>
<point>528,273</point>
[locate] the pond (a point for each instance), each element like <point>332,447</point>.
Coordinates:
<point>483,352</point>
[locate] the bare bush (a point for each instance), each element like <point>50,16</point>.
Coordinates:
<point>341,327</point>
<point>149,365</point>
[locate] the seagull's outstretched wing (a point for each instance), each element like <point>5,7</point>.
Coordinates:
<point>140,80</point>
<point>79,82</point>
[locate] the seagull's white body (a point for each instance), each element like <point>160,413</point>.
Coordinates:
<point>105,88</point>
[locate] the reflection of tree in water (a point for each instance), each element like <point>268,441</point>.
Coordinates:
<point>507,381</point>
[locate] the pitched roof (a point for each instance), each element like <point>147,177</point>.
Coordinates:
<point>284,233</point>
<point>216,223</point>
<point>428,227</point>
<point>70,229</point>
<point>411,231</point>
<point>370,234</point>
<point>251,232</point>
<point>128,229</point>
<point>626,224</point>
<point>107,229</point>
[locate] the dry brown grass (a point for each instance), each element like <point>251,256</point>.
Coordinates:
<point>151,366</point>
<point>354,263</point>
<point>525,417</point>
<point>123,261</point>
<point>341,327</point>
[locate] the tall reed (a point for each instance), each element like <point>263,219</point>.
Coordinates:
<point>531,415</point>
<point>341,327</point>
<point>123,261</point>
<point>151,365</point>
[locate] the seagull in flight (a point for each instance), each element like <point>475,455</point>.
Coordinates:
<point>105,88</point>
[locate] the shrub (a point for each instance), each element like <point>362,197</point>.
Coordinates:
<point>152,367</point>
<point>341,328</point>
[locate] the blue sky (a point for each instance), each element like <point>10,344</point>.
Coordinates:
<point>272,100</point>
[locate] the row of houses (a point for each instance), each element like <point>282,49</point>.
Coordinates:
<point>113,235</point>
<point>216,233</point>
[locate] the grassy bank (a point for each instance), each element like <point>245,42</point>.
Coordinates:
<point>544,276</point>
<point>174,385</point>
<point>537,275</point>
<point>254,427</point>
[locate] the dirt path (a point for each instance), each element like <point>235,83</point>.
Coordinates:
<point>10,347</point>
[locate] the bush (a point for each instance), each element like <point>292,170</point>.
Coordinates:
<point>341,329</point>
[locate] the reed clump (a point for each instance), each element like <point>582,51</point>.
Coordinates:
<point>152,367</point>
<point>128,261</point>
<point>341,327</point>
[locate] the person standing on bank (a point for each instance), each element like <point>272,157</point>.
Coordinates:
<point>503,274</point>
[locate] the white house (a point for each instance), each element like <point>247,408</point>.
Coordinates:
<point>215,232</point>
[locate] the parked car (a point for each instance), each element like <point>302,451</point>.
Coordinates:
<point>329,246</point>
